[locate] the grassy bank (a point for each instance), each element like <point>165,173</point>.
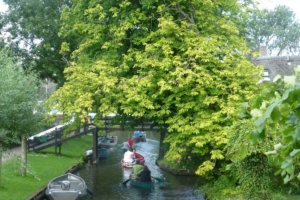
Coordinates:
<point>42,167</point>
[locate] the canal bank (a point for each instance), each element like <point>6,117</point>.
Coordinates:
<point>42,167</point>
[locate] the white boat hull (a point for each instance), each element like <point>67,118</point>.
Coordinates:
<point>66,187</point>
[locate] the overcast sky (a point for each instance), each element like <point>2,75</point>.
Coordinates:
<point>294,5</point>
<point>269,4</point>
<point>3,7</point>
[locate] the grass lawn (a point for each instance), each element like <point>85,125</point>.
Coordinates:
<point>42,167</point>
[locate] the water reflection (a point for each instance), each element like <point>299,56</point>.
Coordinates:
<point>105,179</point>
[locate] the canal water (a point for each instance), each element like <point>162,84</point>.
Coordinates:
<point>105,179</point>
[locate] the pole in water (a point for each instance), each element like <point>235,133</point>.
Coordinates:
<point>126,181</point>
<point>90,192</point>
<point>159,179</point>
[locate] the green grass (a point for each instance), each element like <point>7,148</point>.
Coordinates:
<point>42,167</point>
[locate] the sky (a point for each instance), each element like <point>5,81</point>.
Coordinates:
<point>294,5</point>
<point>3,7</point>
<point>268,4</point>
<point>264,4</point>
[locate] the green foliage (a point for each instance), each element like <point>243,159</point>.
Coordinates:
<point>277,30</point>
<point>248,179</point>
<point>250,148</point>
<point>241,144</point>
<point>18,101</point>
<point>33,27</point>
<point>180,63</point>
<point>254,176</point>
<point>19,96</point>
<point>223,188</point>
<point>282,115</point>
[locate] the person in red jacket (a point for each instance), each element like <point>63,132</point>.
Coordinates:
<point>130,142</point>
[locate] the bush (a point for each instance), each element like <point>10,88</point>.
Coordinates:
<point>253,175</point>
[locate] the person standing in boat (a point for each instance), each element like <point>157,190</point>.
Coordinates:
<point>136,135</point>
<point>140,136</point>
<point>137,169</point>
<point>125,146</point>
<point>130,143</point>
<point>145,175</point>
<point>129,156</point>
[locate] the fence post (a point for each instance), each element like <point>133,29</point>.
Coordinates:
<point>58,142</point>
<point>95,145</point>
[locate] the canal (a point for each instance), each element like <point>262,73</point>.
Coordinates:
<point>105,179</point>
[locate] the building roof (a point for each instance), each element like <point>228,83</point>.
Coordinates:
<point>278,65</point>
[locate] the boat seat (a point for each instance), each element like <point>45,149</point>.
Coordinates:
<point>63,195</point>
<point>56,186</point>
<point>66,185</point>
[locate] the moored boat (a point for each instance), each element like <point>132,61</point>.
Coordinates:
<point>107,141</point>
<point>66,187</point>
<point>102,152</point>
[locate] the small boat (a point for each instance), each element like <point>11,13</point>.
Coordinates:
<point>139,136</point>
<point>143,185</point>
<point>102,153</point>
<point>107,141</point>
<point>66,187</point>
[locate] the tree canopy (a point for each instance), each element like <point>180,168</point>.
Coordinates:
<point>19,96</point>
<point>32,27</point>
<point>18,100</point>
<point>180,63</point>
<point>278,30</point>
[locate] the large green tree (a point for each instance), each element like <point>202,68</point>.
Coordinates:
<point>180,63</point>
<point>32,27</point>
<point>18,101</point>
<point>278,30</point>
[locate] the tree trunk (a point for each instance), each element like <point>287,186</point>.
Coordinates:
<point>1,151</point>
<point>23,155</point>
<point>163,133</point>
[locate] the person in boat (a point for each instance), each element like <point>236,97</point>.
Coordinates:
<point>145,175</point>
<point>125,146</point>
<point>129,156</point>
<point>137,168</point>
<point>141,136</point>
<point>139,157</point>
<point>136,135</point>
<point>131,143</point>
